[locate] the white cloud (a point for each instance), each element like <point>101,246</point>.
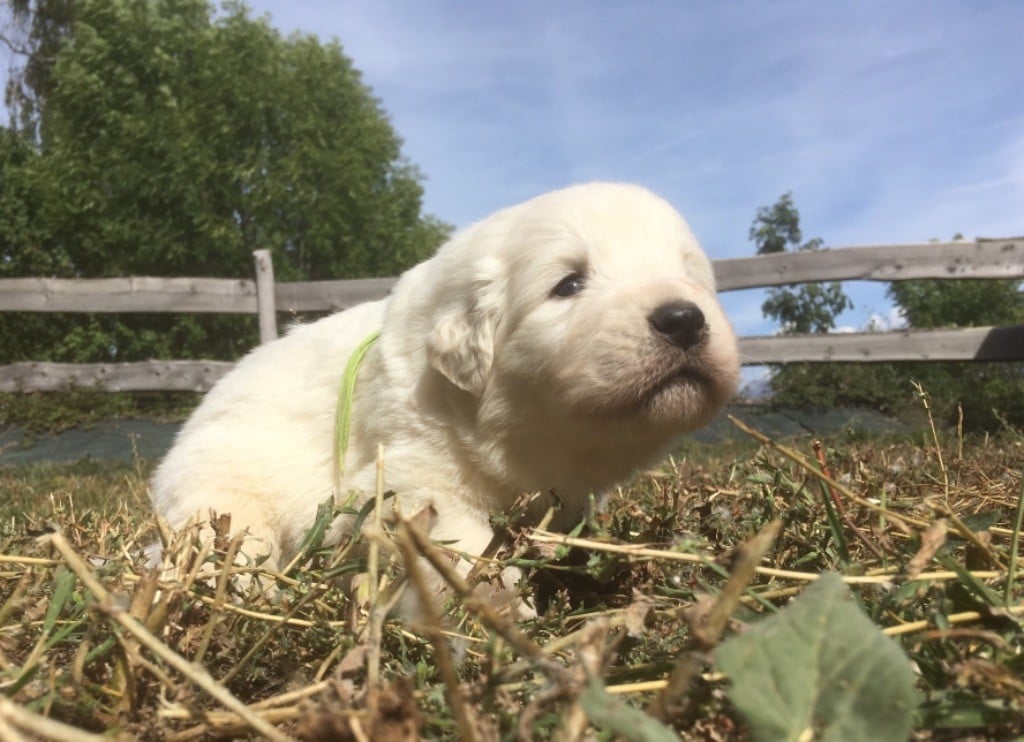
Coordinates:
<point>894,319</point>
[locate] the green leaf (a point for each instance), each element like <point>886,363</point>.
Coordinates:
<point>969,583</point>
<point>821,667</point>
<point>314,537</point>
<point>62,590</point>
<point>946,712</point>
<point>612,714</point>
<point>982,521</point>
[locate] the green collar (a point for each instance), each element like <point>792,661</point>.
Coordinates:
<point>343,415</point>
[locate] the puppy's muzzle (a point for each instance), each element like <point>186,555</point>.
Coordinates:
<point>680,322</point>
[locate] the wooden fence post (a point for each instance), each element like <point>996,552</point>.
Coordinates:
<point>266,307</point>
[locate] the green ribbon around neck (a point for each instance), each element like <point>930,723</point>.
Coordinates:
<point>343,414</point>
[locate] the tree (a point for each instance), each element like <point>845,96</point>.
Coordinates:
<point>35,30</point>
<point>808,308</point>
<point>157,137</point>
<point>811,307</point>
<point>988,393</point>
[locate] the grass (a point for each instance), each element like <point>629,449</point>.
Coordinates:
<point>53,412</point>
<point>924,530</point>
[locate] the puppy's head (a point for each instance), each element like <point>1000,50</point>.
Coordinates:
<point>592,302</point>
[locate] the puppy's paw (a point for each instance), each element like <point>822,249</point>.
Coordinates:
<point>507,596</point>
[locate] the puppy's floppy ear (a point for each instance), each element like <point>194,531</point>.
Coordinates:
<point>461,345</point>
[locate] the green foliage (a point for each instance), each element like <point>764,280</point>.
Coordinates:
<point>991,393</point>
<point>811,307</point>
<point>808,308</point>
<point>170,140</point>
<point>615,715</point>
<point>43,26</point>
<point>52,412</point>
<point>884,387</point>
<point>820,669</point>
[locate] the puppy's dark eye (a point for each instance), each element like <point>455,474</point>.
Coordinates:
<point>569,286</point>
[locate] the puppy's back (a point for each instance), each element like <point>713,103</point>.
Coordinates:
<point>260,445</point>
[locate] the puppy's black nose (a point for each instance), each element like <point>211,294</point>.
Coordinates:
<point>681,322</point>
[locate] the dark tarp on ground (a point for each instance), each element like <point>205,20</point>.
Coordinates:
<point>124,439</point>
<point>109,440</point>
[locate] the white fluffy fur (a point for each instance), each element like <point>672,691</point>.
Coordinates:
<point>483,384</point>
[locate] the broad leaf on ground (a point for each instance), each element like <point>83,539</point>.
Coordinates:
<point>612,714</point>
<point>820,669</point>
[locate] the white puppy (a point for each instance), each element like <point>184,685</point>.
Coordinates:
<point>557,345</point>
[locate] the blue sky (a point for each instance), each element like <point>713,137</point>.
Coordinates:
<point>889,121</point>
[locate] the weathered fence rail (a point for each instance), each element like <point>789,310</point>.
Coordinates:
<point>169,376</point>
<point>983,258</point>
<point>962,344</point>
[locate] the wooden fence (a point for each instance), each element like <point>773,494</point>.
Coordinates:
<point>984,258</point>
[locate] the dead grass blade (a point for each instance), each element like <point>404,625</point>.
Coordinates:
<point>465,718</point>
<point>195,673</point>
<point>707,629</point>
<point>15,719</point>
